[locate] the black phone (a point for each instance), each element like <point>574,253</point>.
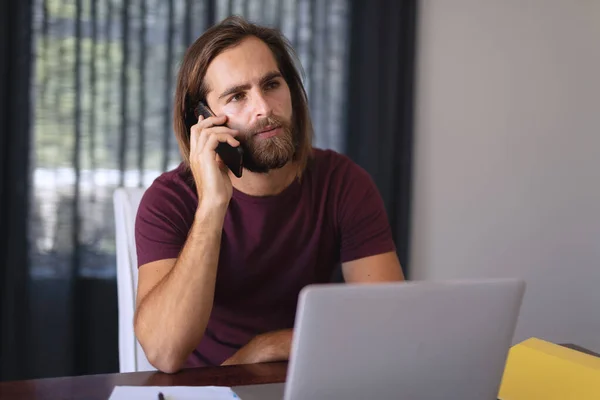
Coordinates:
<point>233,157</point>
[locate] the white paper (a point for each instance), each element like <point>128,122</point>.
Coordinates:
<point>173,393</point>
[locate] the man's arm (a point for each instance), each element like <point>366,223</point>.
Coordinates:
<point>268,347</point>
<point>175,297</point>
<point>378,268</point>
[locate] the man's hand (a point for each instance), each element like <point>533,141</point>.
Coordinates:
<point>209,171</point>
<point>268,347</point>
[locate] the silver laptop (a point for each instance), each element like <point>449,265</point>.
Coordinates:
<point>409,340</point>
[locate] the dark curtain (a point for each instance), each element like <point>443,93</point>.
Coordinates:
<point>15,61</point>
<point>379,118</point>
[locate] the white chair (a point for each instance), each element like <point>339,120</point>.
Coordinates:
<point>131,355</point>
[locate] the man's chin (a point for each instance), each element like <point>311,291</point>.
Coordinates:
<point>264,167</point>
<point>273,153</point>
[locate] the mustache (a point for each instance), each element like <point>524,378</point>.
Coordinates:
<point>261,125</point>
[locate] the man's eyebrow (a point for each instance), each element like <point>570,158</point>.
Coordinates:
<point>270,76</point>
<point>238,88</point>
<point>234,89</point>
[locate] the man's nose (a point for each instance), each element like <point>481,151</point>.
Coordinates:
<point>262,108</point>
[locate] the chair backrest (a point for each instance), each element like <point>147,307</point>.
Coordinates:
<point>126,202</point>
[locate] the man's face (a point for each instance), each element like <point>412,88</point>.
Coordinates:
<point>245,84</point>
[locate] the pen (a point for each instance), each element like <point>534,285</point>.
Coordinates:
<point>161,396</point>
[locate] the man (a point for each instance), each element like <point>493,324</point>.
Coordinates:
<point>222,259</point>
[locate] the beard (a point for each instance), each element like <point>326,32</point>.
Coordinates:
<point>264,154</point>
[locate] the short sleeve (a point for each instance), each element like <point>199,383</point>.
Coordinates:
<point>163,220</point>
<point>362,219</point>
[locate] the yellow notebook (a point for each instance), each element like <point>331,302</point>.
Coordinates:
<point>536,369</point>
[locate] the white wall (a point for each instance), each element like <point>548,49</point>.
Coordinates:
<point>507,156</point>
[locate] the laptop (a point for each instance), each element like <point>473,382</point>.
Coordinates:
<point>402,340</point>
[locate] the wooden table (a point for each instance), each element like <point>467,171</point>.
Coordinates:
<point>91,387</point>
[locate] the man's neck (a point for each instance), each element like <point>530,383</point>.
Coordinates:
<point>268,184</point>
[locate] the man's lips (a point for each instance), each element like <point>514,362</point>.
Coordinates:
<point>268,132</point>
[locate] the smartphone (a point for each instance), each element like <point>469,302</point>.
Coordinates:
<point>233,157</point>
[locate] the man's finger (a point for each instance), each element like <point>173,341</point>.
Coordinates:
<point>217,130</point>
<point>213,141</point>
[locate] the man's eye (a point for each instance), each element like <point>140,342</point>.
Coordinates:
<point>237,97</point>
<point>272,85</point>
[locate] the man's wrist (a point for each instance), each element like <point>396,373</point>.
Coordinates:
<point>208,211</point>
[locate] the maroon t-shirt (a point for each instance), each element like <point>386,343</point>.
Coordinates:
<point>271,246</point>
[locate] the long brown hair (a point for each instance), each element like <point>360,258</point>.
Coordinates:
<point>191,87</point>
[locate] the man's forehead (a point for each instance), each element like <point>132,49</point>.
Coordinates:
<point>244,63</point>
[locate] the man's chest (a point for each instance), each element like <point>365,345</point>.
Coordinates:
<point>276,250</point>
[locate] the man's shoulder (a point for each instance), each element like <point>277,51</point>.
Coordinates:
<point>331,160</point>
<point>180,176</point>
<point>164,216</point>
<point>336,166</point>
<point>174,185</point>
